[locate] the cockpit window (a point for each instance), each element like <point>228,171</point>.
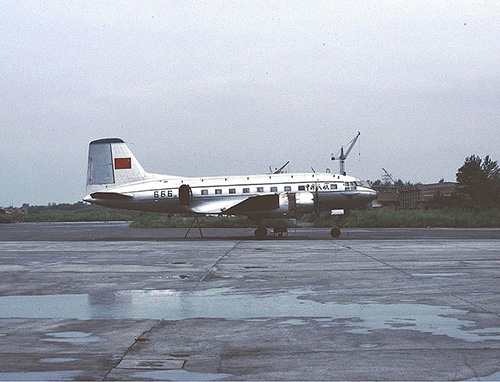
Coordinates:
<point>363,183</point>
<point>350,185</point>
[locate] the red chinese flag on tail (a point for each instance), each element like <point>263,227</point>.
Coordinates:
<point>123,163</point>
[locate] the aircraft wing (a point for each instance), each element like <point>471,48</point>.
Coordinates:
<point>238,206</point>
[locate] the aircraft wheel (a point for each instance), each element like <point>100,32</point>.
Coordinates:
<point>335,233</point>
<point>261,232</point>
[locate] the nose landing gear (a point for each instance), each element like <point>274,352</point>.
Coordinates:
<point>335,232</point>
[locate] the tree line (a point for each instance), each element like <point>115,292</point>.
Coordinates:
<point>478,184</point>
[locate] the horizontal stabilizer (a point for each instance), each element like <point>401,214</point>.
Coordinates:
<point>110,196</point>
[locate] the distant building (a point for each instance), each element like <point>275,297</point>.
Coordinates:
<point>387,197</point>
<point>422,196</point>
<point>16,210</point>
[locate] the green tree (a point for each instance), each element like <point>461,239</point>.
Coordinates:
<point>478,183</point>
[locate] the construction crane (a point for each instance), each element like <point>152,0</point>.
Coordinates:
<point>388,176</point>
<point>342,156</point>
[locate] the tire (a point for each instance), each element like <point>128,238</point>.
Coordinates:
<point>335,233</point>
<point>260,233</point>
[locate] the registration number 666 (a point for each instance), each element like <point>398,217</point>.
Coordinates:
<point>163,194</point>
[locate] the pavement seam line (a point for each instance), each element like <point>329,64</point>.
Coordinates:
<point>213,267</point>
<point>463,299</point>
<point>417,278</point>
<point>379,261</point>
<point>127,351</point>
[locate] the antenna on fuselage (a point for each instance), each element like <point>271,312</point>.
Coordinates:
<point>342,156</point>
<point>279,170</point>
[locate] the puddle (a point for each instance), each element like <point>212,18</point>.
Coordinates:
<point>77,338</point>
<point>46,306</point>
<point>491,377</point>
<point>57,360</point>
<point>62,375</point>
<point>367,346</point>
<point>294,322</point>
<point>439,274</point>
<point>224,303</point>
<point>178,375</point>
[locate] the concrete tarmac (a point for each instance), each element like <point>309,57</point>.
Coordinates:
<point>101,301</point>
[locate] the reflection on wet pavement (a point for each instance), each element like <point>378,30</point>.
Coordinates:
<point>178,375</point>
<point>362,318</point>
<point>77,338</point>
<point>57,360</point>
<point>60,375</point>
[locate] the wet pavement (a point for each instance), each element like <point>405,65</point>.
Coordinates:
<point>98,301</point>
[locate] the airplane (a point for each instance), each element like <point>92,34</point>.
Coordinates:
<point>116,179</point>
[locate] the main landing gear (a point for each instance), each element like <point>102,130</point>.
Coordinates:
<point>261,232</point>
<point>280,229</point>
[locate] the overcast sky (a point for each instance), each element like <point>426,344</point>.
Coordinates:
<point>232,87</point>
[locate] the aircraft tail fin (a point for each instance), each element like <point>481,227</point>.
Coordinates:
<point>111,163</point>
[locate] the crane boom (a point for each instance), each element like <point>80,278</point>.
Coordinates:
<point>351,144</point>
<point>343,155</point>
<point>389,176</point>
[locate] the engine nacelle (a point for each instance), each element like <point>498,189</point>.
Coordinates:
<point>301,202</point>
<point>304,202</point>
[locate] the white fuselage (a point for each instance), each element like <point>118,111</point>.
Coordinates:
<point>284,194</point>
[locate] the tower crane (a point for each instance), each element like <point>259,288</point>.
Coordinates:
<point>342,156</point>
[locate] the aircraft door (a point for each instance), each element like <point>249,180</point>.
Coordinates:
<point>185,195</point>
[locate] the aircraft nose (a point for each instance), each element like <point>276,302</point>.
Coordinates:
<point>371,194</point>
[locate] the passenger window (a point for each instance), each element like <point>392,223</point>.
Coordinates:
<point>232,190</point>
<point>302,188</point>
<point>260,189</point>
<point>204,192</point>
<point>333,186</point>
<point>274,189</point>
<point>218,191</point>
<point>288,188</point>
<point>246,190</point>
